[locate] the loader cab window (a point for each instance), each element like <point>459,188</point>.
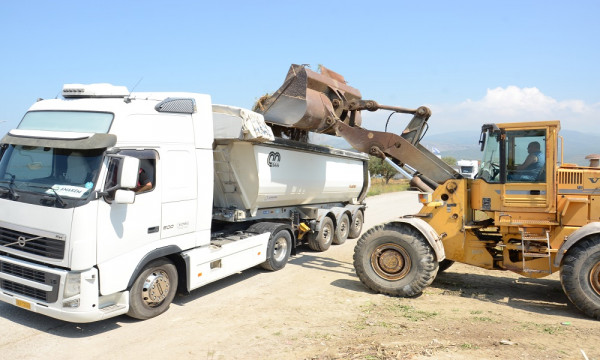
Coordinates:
<point>526,156</point>
<point>146,175</point>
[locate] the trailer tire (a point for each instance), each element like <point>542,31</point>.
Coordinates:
<point>357,224</point>
<point>395,259</point>
<point>278,251</point>
<point>321,241</point>
<point>153,289</point>
<point>580,276</point>
<point>342,230</point>
<point>444,265</point>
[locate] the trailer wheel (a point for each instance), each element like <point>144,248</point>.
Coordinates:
<point>395,260</point>
<point>444,265</point>
<point>153,290</point>
<point>342,230</point>
<point>322,240</point>
<point>357,224</point>
<point>278,251</point>
<point>580,276</point>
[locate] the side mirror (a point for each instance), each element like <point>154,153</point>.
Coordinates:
<point>128,173</point>
<point>124,196</point>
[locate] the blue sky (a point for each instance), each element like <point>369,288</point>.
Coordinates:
<point>472,62</point>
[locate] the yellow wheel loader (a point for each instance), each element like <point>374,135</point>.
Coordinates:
<point>526,211</point>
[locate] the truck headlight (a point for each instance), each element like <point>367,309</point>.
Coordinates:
<point>72,285</point>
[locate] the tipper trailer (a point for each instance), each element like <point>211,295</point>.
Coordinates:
<point>111,201</point>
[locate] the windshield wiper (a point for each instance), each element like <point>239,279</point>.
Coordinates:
<point>9,189</point>
<point>50,196</point>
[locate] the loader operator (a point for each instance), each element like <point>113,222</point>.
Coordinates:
<point>533,165</point>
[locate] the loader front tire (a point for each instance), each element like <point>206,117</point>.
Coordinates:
<point>395,259</point>
<point>580,276</point>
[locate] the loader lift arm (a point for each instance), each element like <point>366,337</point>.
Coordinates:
<point>427,170</point>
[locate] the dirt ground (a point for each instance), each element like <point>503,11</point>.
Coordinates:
<point>316,308</point>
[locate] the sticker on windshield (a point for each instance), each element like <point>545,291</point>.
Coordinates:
<point>89,185</point>
<point>68,190</point>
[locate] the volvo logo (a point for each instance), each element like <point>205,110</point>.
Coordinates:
<point>273,159</point>
<point>21,241</point>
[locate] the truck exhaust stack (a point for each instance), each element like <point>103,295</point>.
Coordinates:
<point>310,101</point>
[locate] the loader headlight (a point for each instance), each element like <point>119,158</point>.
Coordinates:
<point>72,285</point>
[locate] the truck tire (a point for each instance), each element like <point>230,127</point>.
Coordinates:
<point>395,259</point>
<point>153,290</point>
<point>321,241</point>
<point>342,230</point>
<point>357,224</point>
<point>444,265</point>
<point>278,251</point>
<point>580,276</point>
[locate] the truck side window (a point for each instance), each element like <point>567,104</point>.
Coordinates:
<point>146,172</point>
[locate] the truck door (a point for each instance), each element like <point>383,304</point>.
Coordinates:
<point>124,228</point>
<point>527,162</point>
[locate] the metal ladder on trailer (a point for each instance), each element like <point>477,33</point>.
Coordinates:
<point>529,239</point>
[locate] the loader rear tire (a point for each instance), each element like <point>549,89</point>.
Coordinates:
<point>395,259</point>
<point>321,241</point>
<point>580,276</point>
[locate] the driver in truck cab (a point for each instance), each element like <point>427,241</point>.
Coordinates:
<point>145,176</point>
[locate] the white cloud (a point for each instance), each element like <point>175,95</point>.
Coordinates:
<point>498,105</point>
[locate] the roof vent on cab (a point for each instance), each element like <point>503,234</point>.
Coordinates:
<point>94,91</point>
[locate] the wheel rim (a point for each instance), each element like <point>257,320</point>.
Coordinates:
<point>156,288</point>
<point>343,228</point>
<point>326,233</point>
<point>280,249</point>
<point>391,261</point>
<point>595,278</point>
<point>357,223</point>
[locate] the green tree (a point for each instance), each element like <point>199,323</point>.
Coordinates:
<point>381,168</point>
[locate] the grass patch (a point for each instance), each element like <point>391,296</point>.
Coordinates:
<point>378,186</point>
<point>412,314</point>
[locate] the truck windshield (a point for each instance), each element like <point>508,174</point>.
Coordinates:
<point>41,174</point>
<point>490,164</point>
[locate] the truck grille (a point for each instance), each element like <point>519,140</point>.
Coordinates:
<point>43,246</point>
<point>32,275</point>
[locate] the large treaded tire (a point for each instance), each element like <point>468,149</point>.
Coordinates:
<point>395,259</point>
<point>444,265</point>
<point>580,276</point>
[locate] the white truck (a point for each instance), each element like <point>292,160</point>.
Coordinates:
<point>111,201</point>
<point>468,168</point>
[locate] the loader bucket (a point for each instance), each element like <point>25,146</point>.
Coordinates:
<point>310,101</point>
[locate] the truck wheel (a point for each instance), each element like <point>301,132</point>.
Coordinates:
<point>580,276</point>
<point>395,260</point>
<point>322,240</point>
<point>278,251</point>
<point>444,265</point>
<point>357,224</point>
<point>153,290</point>
<point>342,230</point>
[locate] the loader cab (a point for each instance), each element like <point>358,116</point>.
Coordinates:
<point>517,168</point>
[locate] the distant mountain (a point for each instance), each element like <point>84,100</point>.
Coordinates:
<point>465,145</point>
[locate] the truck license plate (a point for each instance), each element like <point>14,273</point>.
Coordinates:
<point>23,304</point>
